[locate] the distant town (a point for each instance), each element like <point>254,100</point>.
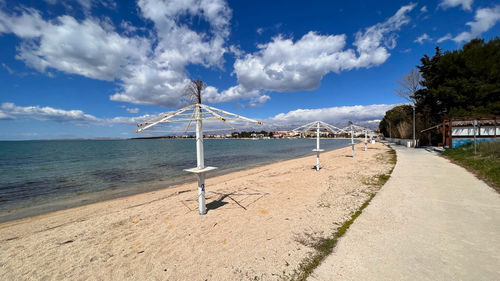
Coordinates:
<point>267,135</point>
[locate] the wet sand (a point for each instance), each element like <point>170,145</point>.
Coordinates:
<point>255,220</point>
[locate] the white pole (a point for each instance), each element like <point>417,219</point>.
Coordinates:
<point>366,141</point>
<point>352,141</point>
<point>475,124</point>
<point>317,147</point>
<point>200,161</point>
<point>414,142</point>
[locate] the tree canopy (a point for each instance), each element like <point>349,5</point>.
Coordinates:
<point>459,83</point>
<point>193,91</point>
<point>463,82</point>
<point>397,122</point>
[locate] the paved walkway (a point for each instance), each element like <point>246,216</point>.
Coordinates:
<point>433,220</point>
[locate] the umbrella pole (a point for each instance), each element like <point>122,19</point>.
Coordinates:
<point>366,141</point>
<point>317,150</point>
<point>352,141</point>
<point>317,147</point>
<point>200,159</point>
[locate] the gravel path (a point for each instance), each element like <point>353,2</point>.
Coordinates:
<point>433,220</point>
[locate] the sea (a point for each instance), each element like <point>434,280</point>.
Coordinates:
<point>37,177</point>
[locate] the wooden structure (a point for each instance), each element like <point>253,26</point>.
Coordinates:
<point>458,131</point>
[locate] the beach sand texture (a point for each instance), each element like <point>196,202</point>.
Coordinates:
<point>251,231</point>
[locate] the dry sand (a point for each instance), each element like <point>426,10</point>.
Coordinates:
<point>255,219</point>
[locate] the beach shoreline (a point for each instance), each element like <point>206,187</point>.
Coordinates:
<point>255,219</point>
<point>129,190</point>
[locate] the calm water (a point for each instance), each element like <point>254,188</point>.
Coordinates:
<point>43,176</point>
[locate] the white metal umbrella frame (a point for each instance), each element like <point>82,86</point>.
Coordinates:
<point>197,112</point>
<point>318,125</point>
<point>352,128</point>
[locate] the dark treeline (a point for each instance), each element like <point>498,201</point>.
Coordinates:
<point>249,134</point>
<point>460,83</point>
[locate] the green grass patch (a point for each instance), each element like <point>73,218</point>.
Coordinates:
<point>382,179</point>
<point>392,156</point>
<point>485,163</point>
<point>377,180</point>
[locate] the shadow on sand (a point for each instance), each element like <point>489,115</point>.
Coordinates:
<point>242,198</point>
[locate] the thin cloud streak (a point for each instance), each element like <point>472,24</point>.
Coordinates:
<point>466,4</point>
<point>484,19</point>
<point>422,38</point>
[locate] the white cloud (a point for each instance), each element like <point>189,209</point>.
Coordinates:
<point>150,70</point>
<point>85,48</point>
<point>444,38</point>
<point>283,65</point>
<point>162,79</point>
<point>253,96</point>
<point>87,5</point>
<point>382,33</point>
<point>9,70</point>
<point>132,110</point>
<point>339,116</point>
<point>10,111</point>
<point>235,50</point>
<point>127,120</point>
<point>179,45</point>
<point>484,19</point>
<point>422,38</point>
<point>423,9</point>
<point>4,116</point>
<point>466,4</point>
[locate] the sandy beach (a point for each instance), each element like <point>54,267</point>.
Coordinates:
<point>256,219</point>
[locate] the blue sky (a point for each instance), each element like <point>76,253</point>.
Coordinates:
<point>94,68</point>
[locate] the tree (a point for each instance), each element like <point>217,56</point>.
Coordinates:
<point>461,83</point>
<point>193,91</point>
<point>409,85</point>
<point>394,121</point>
